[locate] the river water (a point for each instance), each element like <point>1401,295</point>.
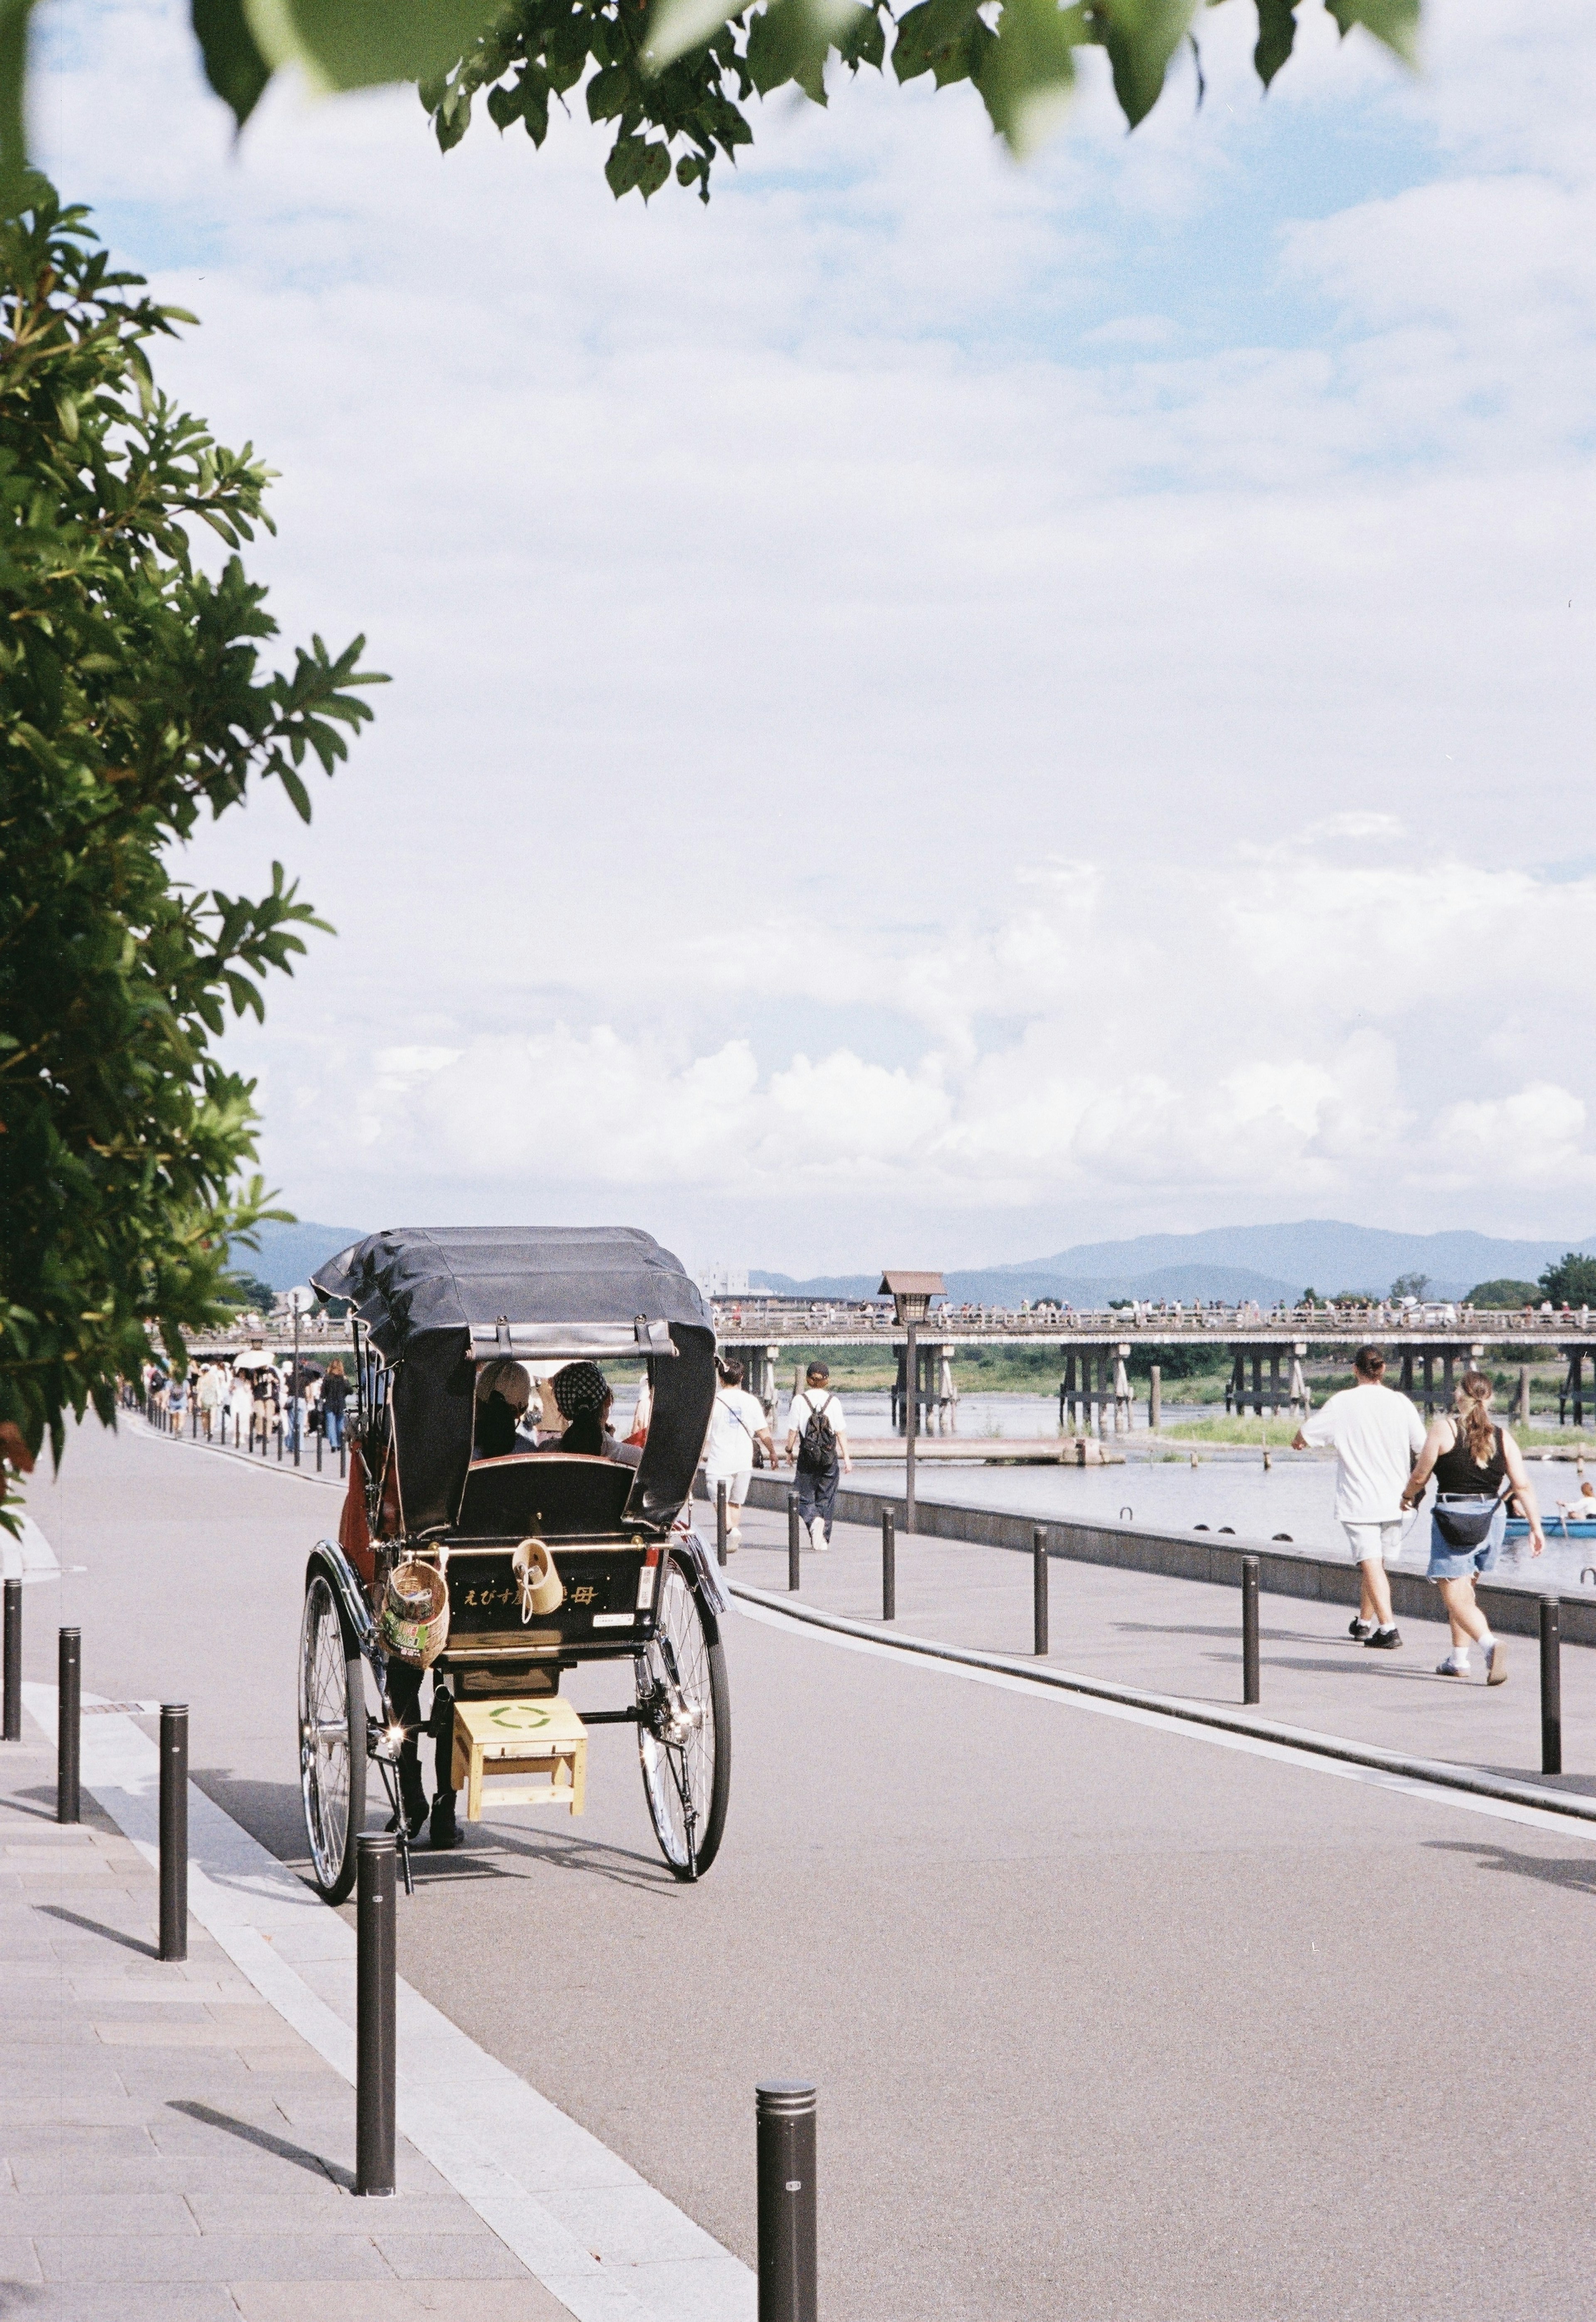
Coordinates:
<point>1158,1484</point>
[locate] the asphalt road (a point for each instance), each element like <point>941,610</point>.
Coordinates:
<point>1107,2020</point>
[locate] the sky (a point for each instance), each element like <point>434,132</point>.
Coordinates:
<point>940,708</point>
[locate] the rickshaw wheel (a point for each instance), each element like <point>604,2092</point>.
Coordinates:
<point>684,1732</point>
<point>332,1742</point>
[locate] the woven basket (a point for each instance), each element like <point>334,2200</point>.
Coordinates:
<point>415,1622</point>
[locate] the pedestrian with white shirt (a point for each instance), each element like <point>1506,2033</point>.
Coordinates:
<point>1377,1434</point>
<point>736,1425</point>
<point>817,1445</point>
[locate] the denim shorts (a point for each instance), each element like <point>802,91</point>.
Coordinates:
<point>1449,1563</point>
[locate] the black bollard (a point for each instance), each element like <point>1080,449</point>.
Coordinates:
<point>341,1458</point>
<point>720,1524</point>
<point>321,1434</point>
<point>784,2138</point>
<point>68,1715</point>
<point>1039,1593</point>
<point>13,1660</point>
<point>792,1541</point>
<point>1249,1630</point>
<point>280,1442</point>
<point>375,2081</point>
<point>174,1829</point>
<point>1551,1689</point>
<point>888,1566</point>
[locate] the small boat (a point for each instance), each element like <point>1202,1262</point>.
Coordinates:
<point>1558,1526</point>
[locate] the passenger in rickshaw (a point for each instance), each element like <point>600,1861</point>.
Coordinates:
<point>585,1399</point>
<point>504,1390</point>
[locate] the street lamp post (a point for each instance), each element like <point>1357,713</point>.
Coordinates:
<point>911,1296</point>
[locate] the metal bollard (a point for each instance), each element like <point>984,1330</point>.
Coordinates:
<point>341,1458</point>
<point>375,2081</point>
<point>792,1541</point>
<point>280,1442</point>
<point>13,1660</point>
<point>720,1524</point>
<point>68,1716</point>
<point>784,2140</point>
<point>321,1438</point>
<point>174,1829</point>
<point>1250,1692</point>
<point>888,1566</point>
<point>1551,1689</point>
<point>1039,1593</point>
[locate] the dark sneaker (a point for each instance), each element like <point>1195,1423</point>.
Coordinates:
<point>1496,1668</point>
<point>1383,1641</point>
<point>1360,1630</point>
<point>415,1819</point>
<point>443,1830</point>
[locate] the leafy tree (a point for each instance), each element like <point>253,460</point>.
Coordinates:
<point>1410,1285</point>
<point>248,1293</point>
<point>673,76</point>
<point>1571,1282</point>
<point>1502,1291</point>
<point>132,702</point>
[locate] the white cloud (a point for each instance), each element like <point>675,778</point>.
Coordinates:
<point>929,688</point>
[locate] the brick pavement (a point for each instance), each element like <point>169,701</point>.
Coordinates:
<point>170,2150</point>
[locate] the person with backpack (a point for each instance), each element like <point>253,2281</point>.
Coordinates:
<point>737,1425</point>
<point>817,1444</point>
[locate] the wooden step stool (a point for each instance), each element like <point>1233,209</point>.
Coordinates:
<point>507,1738</point>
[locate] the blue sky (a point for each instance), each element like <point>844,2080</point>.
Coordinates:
<point>938,707</point>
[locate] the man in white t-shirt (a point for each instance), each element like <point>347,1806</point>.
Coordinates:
<point>1377,1434</point>
<point>736,1425</point>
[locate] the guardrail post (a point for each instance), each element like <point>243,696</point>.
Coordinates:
<point>792,1541</point>
<point>174,1829</point>
<point>1039,1592</point>
<point>784,2140</point>
<point>342,1455</point>
<point>68,1715</point>
<point>1551,1689</point>
<point>888,1565</point>
<point>13,1660</point>
<point>1154,1397</point>
<point>1250,1690</point>
<point>720,1524</point>
<point>280,1442</point>
<point>375,2079</point>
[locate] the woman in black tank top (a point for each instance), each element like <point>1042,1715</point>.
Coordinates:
<point>1471,1458</point>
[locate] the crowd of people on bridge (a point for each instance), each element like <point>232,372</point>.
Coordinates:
<point>246,1399</point>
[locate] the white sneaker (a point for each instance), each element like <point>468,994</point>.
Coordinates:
<point>817,1537</point>
<point>1455,1664</point>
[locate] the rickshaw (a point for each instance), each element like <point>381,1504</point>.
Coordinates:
<point>499,1573</point>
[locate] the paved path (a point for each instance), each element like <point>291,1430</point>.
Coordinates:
<point>171,2149</point>
<point>1109,2021</point>
<point>1184,1637</point>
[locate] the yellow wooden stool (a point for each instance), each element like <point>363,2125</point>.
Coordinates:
<point>505,1738</point>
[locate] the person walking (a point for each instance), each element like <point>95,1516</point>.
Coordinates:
<point>737,1422</point>
<point>213,1393</point>
<point>1474,1462</point>
<point>1375,1433</point>
<point>334,1399</point>
<point>241,1397</point>
<point>817,1444</point>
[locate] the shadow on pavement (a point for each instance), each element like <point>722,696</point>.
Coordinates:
<point>267,2139</point>
<point>98,1927</point>
<point>1576,1873</point>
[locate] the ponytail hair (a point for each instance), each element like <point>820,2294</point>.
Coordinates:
<point>1474,1416</point>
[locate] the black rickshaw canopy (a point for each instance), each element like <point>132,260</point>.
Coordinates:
<point>439,1300</point>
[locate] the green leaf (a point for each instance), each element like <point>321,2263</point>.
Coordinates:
<point>341,44</point>
<point>1277,30</point>
<point>1141,36</point>
<point>933,31</point>
<point>1028,73</point>
<point>790,39</point>
<point>234,63</point>
<point>675,27</point>
<point>13,67</point>
<point>1394,22</point>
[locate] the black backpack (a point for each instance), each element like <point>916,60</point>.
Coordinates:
<point>817,1448</point>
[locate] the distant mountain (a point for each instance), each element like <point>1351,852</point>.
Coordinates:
<point>1228,1263</point>
<point>288,1255</point>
